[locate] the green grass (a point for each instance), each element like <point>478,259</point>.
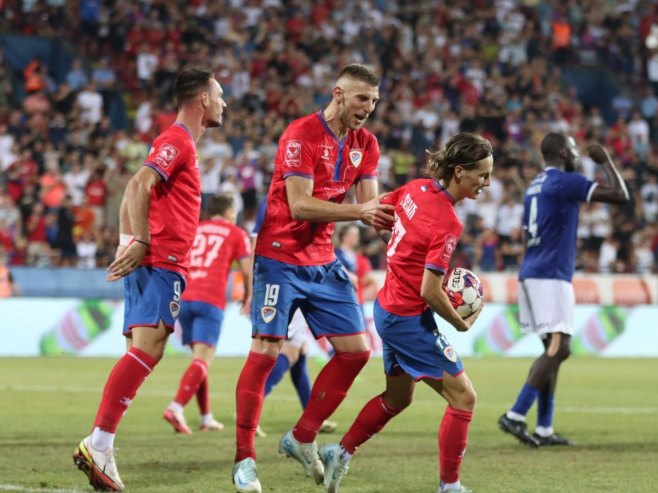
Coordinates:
<point>609,407</point>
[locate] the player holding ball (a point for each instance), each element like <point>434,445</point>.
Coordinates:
<point>420,248</point>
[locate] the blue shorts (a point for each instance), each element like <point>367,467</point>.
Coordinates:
<point>414,345</point>
<point>151,294</point>
<point>201,322</point>
<point>323,293</point>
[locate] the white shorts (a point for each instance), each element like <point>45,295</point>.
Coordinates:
<point>297,329</point>
<point>546,306</point>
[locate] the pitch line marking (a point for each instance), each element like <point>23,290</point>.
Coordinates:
<point>13,487</point>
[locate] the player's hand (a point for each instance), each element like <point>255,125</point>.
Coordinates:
<point>598,153</point>
<point>470,320</point>
<point>246,307</point>
<point>377,214</point>
<point>126,260</point>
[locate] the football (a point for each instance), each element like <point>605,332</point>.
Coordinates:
<point>464,290</point>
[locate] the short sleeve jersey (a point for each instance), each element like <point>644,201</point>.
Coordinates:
<point>308,148</point>
<point>424,236</point>
<point>175,202</point>
<point>216,245</point>
<point>550,220</point>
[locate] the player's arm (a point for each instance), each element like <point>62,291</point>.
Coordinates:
<point>134,223</point>
<point>431,290</point>
<point>305,207</point>
<point>247,267</point>
<point>616,193</point>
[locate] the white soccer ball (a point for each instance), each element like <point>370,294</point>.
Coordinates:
<point>464,290</point>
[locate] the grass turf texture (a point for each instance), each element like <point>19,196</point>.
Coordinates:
<point>608,407</point>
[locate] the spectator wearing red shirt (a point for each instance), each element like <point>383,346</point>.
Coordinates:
<point>96,193</point>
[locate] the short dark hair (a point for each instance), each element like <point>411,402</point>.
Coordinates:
<point>189,83</point>
<point>220,203</point>
<point>552,144</point>
<point>360,72</point>
<point>463,149</point>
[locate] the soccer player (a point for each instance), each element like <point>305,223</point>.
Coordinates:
<point>546,297</point>
<point>217,244</point>
<point>320,156</point>
<point>423,240</point>
<point>158,220</point>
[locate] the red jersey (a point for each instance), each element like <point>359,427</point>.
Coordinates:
<point>425,236</point>
<point>309,148</point>
<point>216,245</point>
<point>175,202</point>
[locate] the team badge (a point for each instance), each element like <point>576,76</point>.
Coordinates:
<point>450,353</point>
<point>449,248</point>
<point>293,151</point>
<point>355,158</point>
<point>166,155</point>
<point>174,308</point>
<point>268,313</point>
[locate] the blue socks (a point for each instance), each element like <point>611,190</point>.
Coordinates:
<point>545,406</point>
<point>280,368</point>
<point>525,400</point>
<point>299,376</point>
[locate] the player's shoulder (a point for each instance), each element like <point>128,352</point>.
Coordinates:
<point>364,138</point>
<point>303,125</point>
<point>176,138</point>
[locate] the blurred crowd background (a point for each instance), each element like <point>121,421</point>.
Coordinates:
<point>86,85</point>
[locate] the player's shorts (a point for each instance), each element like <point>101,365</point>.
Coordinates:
<point>297,329</point>
<point>201,322</point>
<point>414,345</point>
<point>323,293</point>
<point>151,294</point>
<point>546,306</point>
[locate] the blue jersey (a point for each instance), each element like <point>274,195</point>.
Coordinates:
<point>550,221</point>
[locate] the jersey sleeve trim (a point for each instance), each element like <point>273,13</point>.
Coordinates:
<point>303,175</point>
<point>591,191</point>
<point>367,177</point>
<point>436,268</point>
<point>164,175</point>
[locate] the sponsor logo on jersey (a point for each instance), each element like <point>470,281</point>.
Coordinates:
<point>450,353</point>
<point>449,248</point>
<point>166,155</point>
<point>174,308</point>
<point>293,151</point>
<point>268,313</point>
<point>355,158</point>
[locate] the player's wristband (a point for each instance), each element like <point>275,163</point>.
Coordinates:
<point>125,239</point>
<point>142,242</point>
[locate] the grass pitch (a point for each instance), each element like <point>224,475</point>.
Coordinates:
<point>609,407</point>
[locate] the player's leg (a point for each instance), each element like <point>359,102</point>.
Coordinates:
<point>274,296</point>
<point>192,376</point>
<point>546,306</point>
<point>453,431</point>
<point>150,295</point>
<point>331,310</point>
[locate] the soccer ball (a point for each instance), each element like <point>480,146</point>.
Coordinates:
<point>464,290</point>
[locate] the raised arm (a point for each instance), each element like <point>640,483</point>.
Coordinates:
<point>616,193</point>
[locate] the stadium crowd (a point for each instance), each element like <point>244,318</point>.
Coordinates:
<point>491,67</point>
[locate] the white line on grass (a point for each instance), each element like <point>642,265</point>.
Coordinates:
<point>13,487</point>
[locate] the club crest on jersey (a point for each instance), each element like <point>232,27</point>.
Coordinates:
<point>166,155</point>
<point>268,313</point>
<point>293,151</point>
<point>356,157</point>
<point>174,308</point>
<point>450,353</point>
<point>449,248</point>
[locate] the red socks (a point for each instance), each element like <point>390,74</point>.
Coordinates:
<point>125,378</point>
<point>203,396</point>
<point>328,392</point>
<point>191,380</point>
<point>452,442</point>
<point>249,396</point>
<point>370,421</point>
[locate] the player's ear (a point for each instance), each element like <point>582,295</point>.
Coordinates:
<point>205,99</point>
<point>338,94</point>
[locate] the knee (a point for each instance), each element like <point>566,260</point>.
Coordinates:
<point>465,398</point>
<point>397,403</point>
